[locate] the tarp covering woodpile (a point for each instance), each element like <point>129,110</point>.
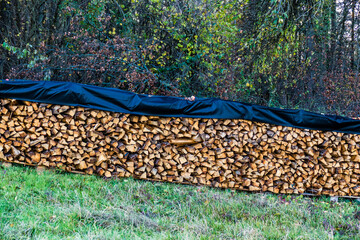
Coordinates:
<point>116,100</point>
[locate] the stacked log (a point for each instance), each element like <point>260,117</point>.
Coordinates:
<point>226,153</point>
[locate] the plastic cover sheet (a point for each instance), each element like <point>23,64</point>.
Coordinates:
<point>116,100</point>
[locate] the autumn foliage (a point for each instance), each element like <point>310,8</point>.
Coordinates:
<point>291,54</point>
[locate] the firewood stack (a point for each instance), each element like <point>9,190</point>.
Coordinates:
<point>224,153</point>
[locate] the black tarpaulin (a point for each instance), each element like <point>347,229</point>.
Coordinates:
<point>115,100</point>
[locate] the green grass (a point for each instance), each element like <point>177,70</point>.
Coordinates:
<point>53,205</point>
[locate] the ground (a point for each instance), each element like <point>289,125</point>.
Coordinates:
<point>58,205</point>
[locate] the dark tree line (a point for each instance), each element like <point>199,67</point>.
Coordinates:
<point>285,53</point>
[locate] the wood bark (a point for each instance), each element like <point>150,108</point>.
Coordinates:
<point>225,153</point>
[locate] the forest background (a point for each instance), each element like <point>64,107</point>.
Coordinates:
<point>279,53</point>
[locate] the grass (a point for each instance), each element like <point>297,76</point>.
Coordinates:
<point>53,205</point>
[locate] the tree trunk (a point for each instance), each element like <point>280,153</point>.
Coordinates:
<point>331,59</point>
<point>352,54</point>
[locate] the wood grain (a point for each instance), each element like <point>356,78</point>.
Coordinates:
<point>224,153</point>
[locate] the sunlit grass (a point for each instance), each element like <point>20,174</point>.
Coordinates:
<point>53,205</point>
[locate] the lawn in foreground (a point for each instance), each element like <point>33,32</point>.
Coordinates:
<point>53,205</point>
